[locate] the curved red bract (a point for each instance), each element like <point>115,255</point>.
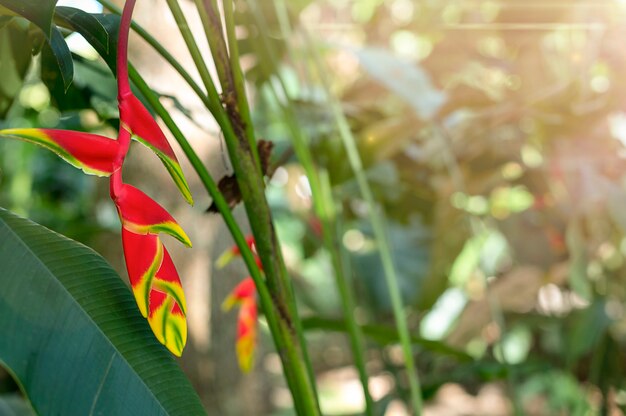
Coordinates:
<point>138,120</point>
<point>153,277</point>
<point>142,215</point>
<point>157,288</point>
<point>92,153</point>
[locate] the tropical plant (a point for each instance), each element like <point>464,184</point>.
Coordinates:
<point>434,187</point>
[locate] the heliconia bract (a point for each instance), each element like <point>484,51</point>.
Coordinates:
<point>228,256</point>
<point>153,277</point>
<point>244,296</point>
<point>139,122</point>
<point>92,153</point>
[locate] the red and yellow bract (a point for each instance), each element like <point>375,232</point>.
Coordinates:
<point>92,153</point>
<point>137,120</point>
<point>244,296</point>
<point>153,277</point>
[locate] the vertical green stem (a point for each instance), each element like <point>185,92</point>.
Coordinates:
<point>331,230</point>
<point>233,93</point>
<point>291,349</point>
<point>377,219</point>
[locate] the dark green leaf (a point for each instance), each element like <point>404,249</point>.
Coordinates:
<point>87,25</point>
<point>37,11</point>
<point>100,30</point>
<point>72,334</point>
<point>63,57</point>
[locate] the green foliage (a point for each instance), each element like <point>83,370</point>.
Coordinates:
<point>39,12</point>
<point>494,152</point>
<point>77,342</point>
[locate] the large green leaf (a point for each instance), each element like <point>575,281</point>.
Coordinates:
<point>71,334</point>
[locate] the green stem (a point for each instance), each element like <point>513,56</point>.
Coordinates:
<point>293,352</point>
<point>277,329</point>
<point>198,60</point>
<point>238,78</point>
<point>330,231</point>
<point>378,225</point>
<point>233,93</point>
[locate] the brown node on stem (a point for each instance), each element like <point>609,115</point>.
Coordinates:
<point>228,185</point>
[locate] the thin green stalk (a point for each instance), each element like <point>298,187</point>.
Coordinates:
<point>330,231</point>
<point>294,354</point>
<point>229,74</point>
<point>323,205</point>
<point>266,299</point>
<point>377,219</point>
<point>498,316</point>
<point>199,62</point>
<point>238,78</point>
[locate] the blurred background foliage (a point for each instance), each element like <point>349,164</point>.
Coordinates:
<point>492,134</point>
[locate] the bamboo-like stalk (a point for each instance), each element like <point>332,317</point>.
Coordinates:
<point>227,64</point>
<point>293,353</point>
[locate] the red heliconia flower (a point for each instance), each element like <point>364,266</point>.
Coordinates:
<point>244,296</point>
<point>153,277</point>
<point>228,256</point>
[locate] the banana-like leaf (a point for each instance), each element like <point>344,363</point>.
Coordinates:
<point>72,335</point>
